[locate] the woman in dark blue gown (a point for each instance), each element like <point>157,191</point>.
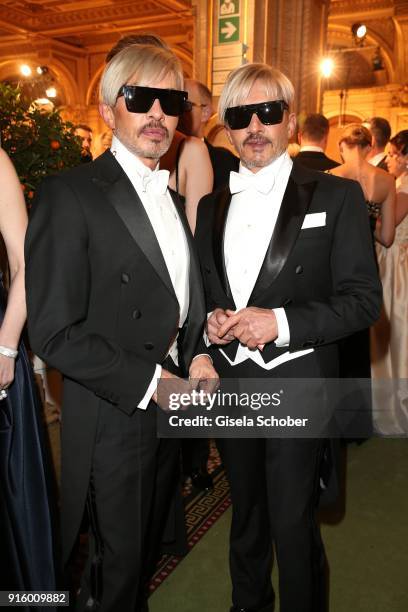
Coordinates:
<point>26,545</point>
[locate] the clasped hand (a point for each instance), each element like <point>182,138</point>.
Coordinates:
<point>252,326</point>
<point>202,377</point>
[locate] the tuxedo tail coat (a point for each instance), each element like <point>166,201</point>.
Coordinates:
<point>101,307</point>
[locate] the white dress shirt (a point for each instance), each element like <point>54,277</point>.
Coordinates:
<point>167,226</point>
<point>374,161</point>
<point>250,224</point>
<point>312,148</point>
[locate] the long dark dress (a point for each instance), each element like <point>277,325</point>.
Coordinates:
<point>26,551</point>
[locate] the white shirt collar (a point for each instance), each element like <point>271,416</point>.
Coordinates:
<point>275,168</point>
<point>377,158</point>
<point>131,164</point>
<point>311,148</point>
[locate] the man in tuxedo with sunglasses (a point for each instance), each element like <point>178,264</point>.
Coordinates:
<point>115,303</point>
<point>288,269</point>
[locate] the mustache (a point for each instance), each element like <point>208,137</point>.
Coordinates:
<point>257,139</point>
<point>155,125</point>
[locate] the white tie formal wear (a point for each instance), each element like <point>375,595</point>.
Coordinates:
<point>151,187</point>
<point>254,209</point>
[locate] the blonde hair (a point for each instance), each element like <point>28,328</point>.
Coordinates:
<point>241,80</point>
<point>145,64</point>
<point>356,135</point>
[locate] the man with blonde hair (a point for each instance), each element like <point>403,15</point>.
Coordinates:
<point>119,307</point>
<point>288,270</point>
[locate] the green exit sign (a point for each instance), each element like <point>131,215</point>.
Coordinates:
<point>228,29</point>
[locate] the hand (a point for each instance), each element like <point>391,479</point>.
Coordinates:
<point>169,385</point>
<point>215,321</point>
<point>252,326</point>
<point>7,366</point>
<point>203,375</point>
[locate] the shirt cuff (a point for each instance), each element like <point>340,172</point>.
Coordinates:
<point>203,355</point>
<point>151,388</point>
<point>283,338</point>
<point>205,337</point>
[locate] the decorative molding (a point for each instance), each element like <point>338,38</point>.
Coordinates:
<point>385,29</point>
<point>344,7</point>
<point>36,17</point>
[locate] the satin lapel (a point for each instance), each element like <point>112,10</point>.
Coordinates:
<point>196,310</point>
<point>295,204</point>
<point>195,274</point>
<point>222,205</point>
<point>130,209</point>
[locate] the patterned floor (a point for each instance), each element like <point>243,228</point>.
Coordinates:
<point>202,511</point>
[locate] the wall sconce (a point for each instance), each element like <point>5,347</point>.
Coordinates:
<point>359,31</point>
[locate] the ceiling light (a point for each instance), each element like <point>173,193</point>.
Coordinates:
<point>359,31</point>
<point>25,70</point>
<point>326,67</point>
<point>51,92</point>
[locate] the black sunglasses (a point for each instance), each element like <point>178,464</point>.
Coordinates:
<point>269,113</point>
<point>140,99</point>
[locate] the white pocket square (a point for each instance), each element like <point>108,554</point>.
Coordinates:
<point>314,220</point>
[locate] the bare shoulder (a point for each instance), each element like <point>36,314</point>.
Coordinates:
<point>337,171</point>
<point>8,175</point>
<point>193,146</point>
<point>6,167</point>
<point>385,177</point>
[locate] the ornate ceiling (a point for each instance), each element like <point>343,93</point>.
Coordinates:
<point>386,21</point>
<point>87,24</point>
<point>72,37</point>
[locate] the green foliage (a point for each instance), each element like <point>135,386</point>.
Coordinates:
<point>39,143</point>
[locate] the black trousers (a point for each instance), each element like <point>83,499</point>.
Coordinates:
<point>274,490</point>
<point>134,476</point>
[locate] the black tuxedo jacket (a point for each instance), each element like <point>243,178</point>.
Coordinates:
<point>223,162</point>
<point>101,306</point>
<point>316,160</point>
<point>382,165</point>
<point>325,277</point>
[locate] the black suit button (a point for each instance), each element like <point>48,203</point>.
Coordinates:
<point>136,314</point>
<point>125,278</point>
<point>149,346</point>
<point>299,269</point>
<point>207,269</point>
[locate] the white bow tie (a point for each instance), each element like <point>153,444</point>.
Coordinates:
<point>156,182</point>
<point>260,182</point>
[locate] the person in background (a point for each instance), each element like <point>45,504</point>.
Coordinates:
<point>377,185</point>
<point>102,142</point>
<point>380,131</point>
<point>26,550</point>
<point>193,124</point>
<point>313,135</point>
<point>85,134</point>
<point>187,159</point>
<point>389,336</point>
<point>379,193</point>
